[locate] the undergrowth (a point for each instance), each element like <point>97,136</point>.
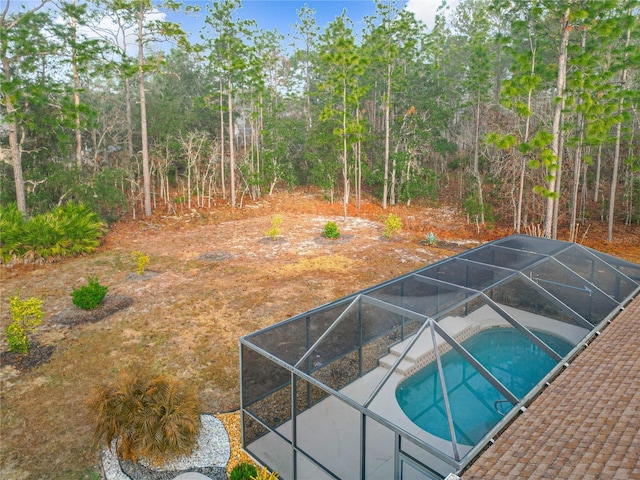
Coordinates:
<point>65,231</point>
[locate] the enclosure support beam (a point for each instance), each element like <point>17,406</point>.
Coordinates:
<point>475,364</point>
<point>335,323</point>
<point>445,393</point>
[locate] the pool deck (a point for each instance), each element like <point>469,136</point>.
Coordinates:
<point>586,424</point>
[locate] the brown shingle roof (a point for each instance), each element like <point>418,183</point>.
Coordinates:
<point>586,424</point>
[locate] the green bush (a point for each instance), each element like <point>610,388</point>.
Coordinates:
<point>274,231</point>
<point>331,230</point>
<point>243,471</point>
<point>154,417</point>
<point>11,227</point>
<point>141,260</point>
<point>65,231</point>
<point>26,316</point>
<point>392,225</point>
<point>89,296</point>
<point>264,474</point>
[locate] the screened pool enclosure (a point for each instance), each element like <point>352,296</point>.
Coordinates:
<point>412,378</point>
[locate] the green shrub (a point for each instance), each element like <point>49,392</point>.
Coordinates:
<point>141,260</point>
<point>264,474</point>
<point>243,471</point>
<point>26,316</point>
<point>274,231</point>
<point>154,417</point>
<point>331,230</point>
<point>89,296</point>
<point>11,226</point>
<point>63,232</point>
<point>431,238</point>
<point>392,225</point>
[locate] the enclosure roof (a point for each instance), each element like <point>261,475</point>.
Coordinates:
<point>586,424</point>
<point>559,273</point>
<point>550,297</point>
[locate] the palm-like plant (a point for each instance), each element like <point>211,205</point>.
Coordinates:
<point>67,230</point>
<point>154,417</point>
<point>11,223</point>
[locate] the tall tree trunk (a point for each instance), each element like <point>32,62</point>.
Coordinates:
<point>577,159</point>
<point>596,190</point>
<point>345,170</point>
<point>76,89</point>
<point>16,156</point>
<point>358,175</point>
<point>476,160</point>
<point>223,183</point>
<point>577,163</point>
<point>387,134</point>
<point>527,130</point>
<point>146,174</point>
<point>555,129</point>
<point>616,155</point>
<point>556,203</point>
<point>232,159</point>
<point>14,144</point>
<point>129,118</point>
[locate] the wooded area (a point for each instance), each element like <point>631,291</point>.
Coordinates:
<point>527,108</point>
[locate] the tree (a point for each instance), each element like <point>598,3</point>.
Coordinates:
<point>150,27</point>
<point>228,57</point>
<point>472,22</point>
<point>632,24</point>
<point>344,64</point>
<point>25,38</point>
<point>306,31</point>
<point>390,44</point>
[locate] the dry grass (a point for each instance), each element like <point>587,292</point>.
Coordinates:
<point>217,279</point>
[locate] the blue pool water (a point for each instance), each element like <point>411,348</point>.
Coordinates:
<point>517,363</point>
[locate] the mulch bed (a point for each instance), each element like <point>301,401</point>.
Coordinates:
<point>215,256</point>
<point>38,354</point>
<point>110,304</point>
<point>322,240</point>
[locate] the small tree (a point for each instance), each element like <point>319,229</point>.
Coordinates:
<point>26,316</point>
<point>331,230</point>
<point>141,260</point>
<point>89,296</point>
<point>274,231</point>
<point>392,225</point>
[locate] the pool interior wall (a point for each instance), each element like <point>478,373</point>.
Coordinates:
<point>318,390</point>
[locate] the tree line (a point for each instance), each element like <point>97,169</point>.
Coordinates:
<point>527,108</point>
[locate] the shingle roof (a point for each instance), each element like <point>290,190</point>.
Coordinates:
<point>586,424</point>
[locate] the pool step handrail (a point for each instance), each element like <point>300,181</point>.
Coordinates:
<point>500,402</point>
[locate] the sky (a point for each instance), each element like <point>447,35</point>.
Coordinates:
<point>282,14</point>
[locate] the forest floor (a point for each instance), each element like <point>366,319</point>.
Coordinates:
<point>213,277</point>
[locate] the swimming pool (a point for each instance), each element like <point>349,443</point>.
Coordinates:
<point>476,406</point>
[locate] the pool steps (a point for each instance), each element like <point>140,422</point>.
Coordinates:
<point>422,353</point>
